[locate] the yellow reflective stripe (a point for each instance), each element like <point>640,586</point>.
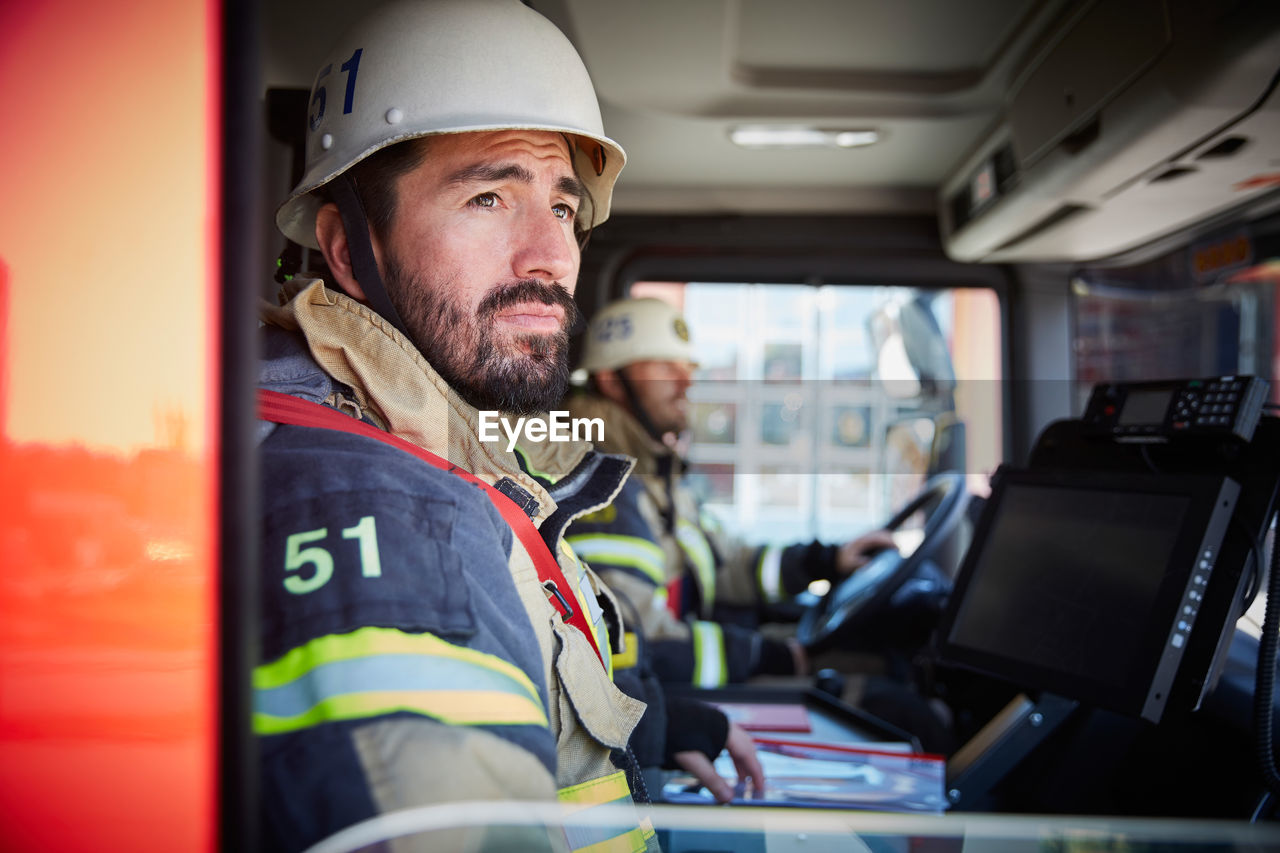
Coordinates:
<point>618,550</point>
<point>374,671</point>
<point>695,545</point>
<point>627,658</point>
<point>607,790</point>
<point>528,466</point>
<point>709,666</point>
<point>595,792</point>
<point>769,574</point>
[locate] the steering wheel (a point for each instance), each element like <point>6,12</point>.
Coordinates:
<point>870,587</point>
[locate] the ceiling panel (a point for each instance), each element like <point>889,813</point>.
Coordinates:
<point>918,36</point>
<point>674,76</point>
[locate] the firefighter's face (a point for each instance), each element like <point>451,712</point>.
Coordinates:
<point>481,261</point>
<point>661,388</point>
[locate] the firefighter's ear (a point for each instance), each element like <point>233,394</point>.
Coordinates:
<point>609,385</point>
<point>332,238</point>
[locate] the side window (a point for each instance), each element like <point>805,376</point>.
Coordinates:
<point>1207,309</point>
<point>816,410</point>
<point>1147,324</point>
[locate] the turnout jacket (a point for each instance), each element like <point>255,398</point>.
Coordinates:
<point>678,570</point>
<point>410,655</point>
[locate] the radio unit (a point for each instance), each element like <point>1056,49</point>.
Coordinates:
<point>1216,407</point>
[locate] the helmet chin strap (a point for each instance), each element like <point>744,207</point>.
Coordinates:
<point>363,264</point>
<point>633,402</point>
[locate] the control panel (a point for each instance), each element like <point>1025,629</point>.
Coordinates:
<point>1184,619</point>
<point>1220,406</point>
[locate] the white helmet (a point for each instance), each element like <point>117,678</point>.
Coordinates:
<point>631,330</point>
<point>422,68</point>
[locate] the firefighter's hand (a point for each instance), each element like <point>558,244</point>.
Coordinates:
<point>856,553</point>
<point>742,749</point>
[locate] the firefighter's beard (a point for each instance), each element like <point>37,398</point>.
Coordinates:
<point>490,369</point>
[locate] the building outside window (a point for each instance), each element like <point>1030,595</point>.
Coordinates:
<point>805,421</point>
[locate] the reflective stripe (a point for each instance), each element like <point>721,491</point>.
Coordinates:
<point>709,668</point>
<point>376,671</point>
<point>587,600</point>
<point>628,655</point>
<point>631,841</point>
<point>695,545</point>
<point>611,790</point>
<point>528,466</point>
<point>596,792</point>
<point>617,550</point>
<point>769,574</point>
<point>660,597</point>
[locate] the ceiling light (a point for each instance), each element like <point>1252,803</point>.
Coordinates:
<point>800,136</point>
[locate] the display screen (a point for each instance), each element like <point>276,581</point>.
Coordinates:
<point>1145,407</point>
<point>1075,580</point>
<point>1067,578</point>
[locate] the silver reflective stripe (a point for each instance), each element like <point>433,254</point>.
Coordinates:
<point>375,671</point>
<point>580,836</point>
<point>587,598</point>
<point>598,800</point>
<point>618,550</point>
<point>380,672</point>
<point>770,574</point>
<point>709,669</point>
<point>695,545</point>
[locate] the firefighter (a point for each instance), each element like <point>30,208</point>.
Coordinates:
<point>427,634</point>
<point>698,593</point>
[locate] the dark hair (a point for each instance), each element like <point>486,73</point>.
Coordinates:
<point>375,180</point>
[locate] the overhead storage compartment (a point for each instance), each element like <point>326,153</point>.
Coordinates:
<point>1132,120</point>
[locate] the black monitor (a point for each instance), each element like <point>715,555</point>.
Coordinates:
<point>1087,584</point>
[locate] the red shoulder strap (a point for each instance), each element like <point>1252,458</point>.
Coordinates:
<point>286,409</point>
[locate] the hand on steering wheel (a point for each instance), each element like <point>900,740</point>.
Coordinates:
<point>856,553</point>
<point>870,587</point>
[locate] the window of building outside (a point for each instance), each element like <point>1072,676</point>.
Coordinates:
<point>807,419</point>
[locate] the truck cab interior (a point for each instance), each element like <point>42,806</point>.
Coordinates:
<point>999,275</point>
<point>957,268</point>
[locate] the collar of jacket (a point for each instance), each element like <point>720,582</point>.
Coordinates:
<point>381,374</point>
<point>623,433</point>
